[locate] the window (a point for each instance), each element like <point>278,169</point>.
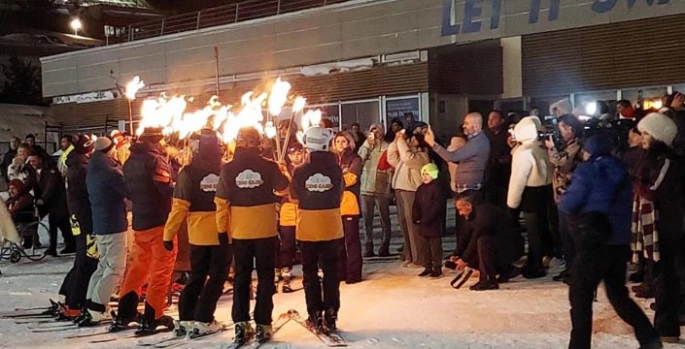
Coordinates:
<point>364,113</point>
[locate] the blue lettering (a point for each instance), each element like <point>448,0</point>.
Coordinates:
<point>554,10</point>
<point>472,10</point>
<point>603,6</point>
<point>496,11</point>
<point>534,13</point>
<point>553,15</point>
<point>447,27</point>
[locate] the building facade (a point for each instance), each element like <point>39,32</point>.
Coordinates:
<point>371,60</point>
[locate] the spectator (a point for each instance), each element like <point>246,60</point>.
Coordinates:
<point>51,199</point>
<point>631,156</point>
<point>565,158</point>
<point>528,190</point>
<point>625,110</point>
<point>357,135</point>
<point>20,169</point>
<point>599,202</point>
<point>395,126</point>
<point>499,164</point>
<point>30,139</point>
<point>66,145</point>
<point>22,210</point>
<point>408,156</point>
<point>659,188</point>
<point>495,244</point>
<point>123,146</point>
<point>375,189</point>
<point>456,143</point>
<point>8,157</point>
<point>561,107</point>
<point>428,212</point>
<point>350,268</point>
<point>106,192</point>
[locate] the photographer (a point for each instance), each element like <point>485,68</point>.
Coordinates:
<point>565,157</point>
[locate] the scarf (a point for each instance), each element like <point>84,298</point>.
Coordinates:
<point>645,237</point>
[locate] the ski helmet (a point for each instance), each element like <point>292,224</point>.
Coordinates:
<point>318,138</point>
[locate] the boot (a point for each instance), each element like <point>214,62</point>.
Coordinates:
<point>94,318</point>
<point>243,332</point>
<point>368,250</point>
<point>655,344</point>
<point>206,328</point>
<point>53,309</point>
<point>315,321</point>
<point>263,333</point>
<point>149,327</point>
<point>183,328</point>
<point>384,251</point>
<point>331,317</point>
<point>121,323</point>
<point>425,272</point>
<point>484,286</point>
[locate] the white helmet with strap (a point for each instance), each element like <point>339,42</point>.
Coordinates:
<point>318,138</point>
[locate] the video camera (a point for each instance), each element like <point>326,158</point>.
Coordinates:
<point>550,128</point>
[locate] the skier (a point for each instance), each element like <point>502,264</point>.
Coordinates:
<point>245,207</point>
<point>149,184</point>
<point>287,222</point>
<point>210,253</point>
<point>317,187</point>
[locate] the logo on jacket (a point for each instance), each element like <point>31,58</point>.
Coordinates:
<point>248,179</point>
<point>318,182</point>
<point>209,183</point>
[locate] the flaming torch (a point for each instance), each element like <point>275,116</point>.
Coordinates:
<point>131,88</point>
<point>298,107</point>
<point>277,99</point>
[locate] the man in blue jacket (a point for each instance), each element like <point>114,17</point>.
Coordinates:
<point>106,191</point>
<point>599,203</point>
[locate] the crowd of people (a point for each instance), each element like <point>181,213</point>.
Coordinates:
<point>594,194</point>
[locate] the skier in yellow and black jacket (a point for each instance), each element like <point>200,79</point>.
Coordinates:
<point>317,187</point>
<point>210,252</point>
<point>246,207</point>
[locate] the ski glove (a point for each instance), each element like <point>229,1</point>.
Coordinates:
<point>169,245</point>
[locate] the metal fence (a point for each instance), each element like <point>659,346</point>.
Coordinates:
<point>239,12</point>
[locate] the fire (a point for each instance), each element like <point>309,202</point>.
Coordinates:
<point>133,86</point>
<point>299,104</point>
<point>278,97</point>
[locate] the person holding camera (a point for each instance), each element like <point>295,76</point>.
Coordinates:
<point>599,203</point>
<point>565,157</point>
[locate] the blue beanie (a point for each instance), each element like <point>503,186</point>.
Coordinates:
<point>598,145</point>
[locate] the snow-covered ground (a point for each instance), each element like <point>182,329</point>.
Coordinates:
<point>392,308</point>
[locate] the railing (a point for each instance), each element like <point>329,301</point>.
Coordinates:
<point>239,12</point>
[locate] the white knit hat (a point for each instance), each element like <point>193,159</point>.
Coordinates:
<point>660,127</point>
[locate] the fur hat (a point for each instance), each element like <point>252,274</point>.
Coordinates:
<point>660,127</point>
<point>104,144</point>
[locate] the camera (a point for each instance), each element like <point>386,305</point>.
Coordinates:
<point>550,128</point>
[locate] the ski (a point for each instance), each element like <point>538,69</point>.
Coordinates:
<point>35,321</point>
<point>71,327</point>
<point>147,334</point>
<point>52,325</point>
<point>180,341</point>
<point>461,278</point>
<point>331,339</point>
<point>97,334</point>
<point>40,315</point>
<point>253,344</point>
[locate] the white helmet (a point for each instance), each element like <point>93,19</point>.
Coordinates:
<point>318,138</point>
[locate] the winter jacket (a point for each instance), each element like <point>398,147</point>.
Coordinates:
<point>351,165</point>
<point>602,185</point>
<point>287,215</point>
<point>245,200</point>
<point>499,165</point>
<point>631,157</point>
<point>50,188</point>
<point>472,158</point>
<point>318,186</point>
<point>407,162</point>
<point>429,209</point>
<point>530,168</point>
<point>77,191</point>
<point>6,162</point>
<point>374,181</point>
<point>23,172</point>
<point>148,178</point>
<point>679,141</point>
<point>487,219</point>
<point>106,193</point>
<point>564,162</point>
<point>21,208</point>
<point>194,203</point>
<point>62,163</point>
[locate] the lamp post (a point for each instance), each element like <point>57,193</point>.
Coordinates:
<point>76,25</point>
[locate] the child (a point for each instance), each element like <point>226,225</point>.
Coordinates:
<point>428,212</point>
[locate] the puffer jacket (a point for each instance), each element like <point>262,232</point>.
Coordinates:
<point>602,185</point>
<point>374,182</point>
<point>351,165</point>
<point>530,167</point>
<point>106,192</point>
<point>407,162</point>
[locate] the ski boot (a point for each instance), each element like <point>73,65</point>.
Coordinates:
<point>149,327</point>
<point>67,314</point>
<point>243,332</point>
<point>93,318</point>
<point>315,322</point>
<point>263,333</point>
<point>206,328</point>
<point>183,328</point>
<point>53,309</point>
<point>331,316</point>
<point>120,323</point>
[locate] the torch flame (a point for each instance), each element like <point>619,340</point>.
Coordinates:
<point>133,86</point>
<point>278,96</point>
<point>299,104</point>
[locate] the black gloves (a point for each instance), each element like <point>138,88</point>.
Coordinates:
<point>223,239</point>
<point>169,245</point>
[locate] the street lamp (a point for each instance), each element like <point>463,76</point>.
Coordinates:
<point>76,25</point>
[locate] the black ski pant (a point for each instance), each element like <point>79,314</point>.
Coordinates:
<point>209,270</point>
<point>324,253</point>
<point>288,247</point>
<point>430,252</point>
<point>569,245</point>
<point>246,252</point>
<point>668,274</point>
<point>62,223</point>
<point>607,263</point>
<point>76,282</point>
<point>350,262</point>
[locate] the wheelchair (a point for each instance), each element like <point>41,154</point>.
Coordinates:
<point>27,231</point>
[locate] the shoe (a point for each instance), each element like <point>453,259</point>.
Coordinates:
<point>369,254</point>
<point>563,275</point>
<point>384,252</point>
<point>243,332</point>
<point>484,286</point>
<point>183,328</point>
<point>206,328</point>
<point>505,277</point>
<point>547,261</point>
<point>353,281</point>
<point>655,344</point>
<point>50,252</point>
<point>330,319</point>
<point>53,309</point>
<point>263,333</point>
<point>37,244</point>
<point>67,314</point>
<point>400,249</point>
<point>68,250</point>
<point>530,273</point>
<point>436,274</point>
<point>149,327</point>
<point>121,324</point>
<point>425,272</point>
<point>672,339</point>
<point>315,321</point>
<point>412,265</point>
<point>368,250</point>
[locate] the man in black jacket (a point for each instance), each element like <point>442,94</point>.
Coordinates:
<point>499,164</point>
<point>495,242</point>
<point>51,200</point>
<point>8,157</point>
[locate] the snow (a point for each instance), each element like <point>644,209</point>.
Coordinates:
<point>391,308</point>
